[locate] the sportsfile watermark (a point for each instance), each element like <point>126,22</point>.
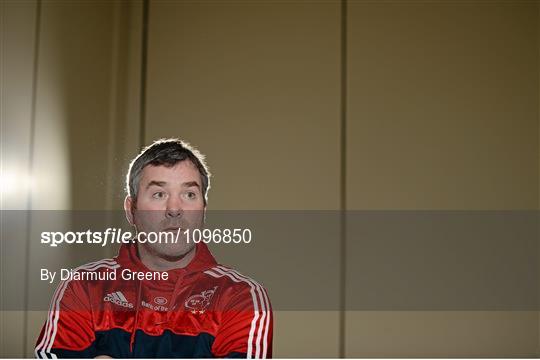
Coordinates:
<point>118,236</point>
<point>320,260</point>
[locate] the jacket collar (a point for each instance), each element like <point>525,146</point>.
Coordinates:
<point>128,257</point>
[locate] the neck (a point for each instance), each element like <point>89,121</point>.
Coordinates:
<point>159,263</point>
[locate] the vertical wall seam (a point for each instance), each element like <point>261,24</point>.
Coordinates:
<point>30,174</point>
<point>343,181</point>
<point>111,179</point>
<point>538,170</point>
<point>3,10</point>
<point>113,107</point>
<point>144,60</point>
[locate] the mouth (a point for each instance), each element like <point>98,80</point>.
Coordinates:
<point>173,228</point>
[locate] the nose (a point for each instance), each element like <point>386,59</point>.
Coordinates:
<point>174,208</point>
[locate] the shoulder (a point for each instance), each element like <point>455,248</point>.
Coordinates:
<point>87,273</point>
<point>73,289</point>
<point>102,264</point>
<point>232,278</point>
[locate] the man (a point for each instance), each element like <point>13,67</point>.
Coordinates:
<point>199,309</point>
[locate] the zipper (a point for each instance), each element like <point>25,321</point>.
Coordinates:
<point>134,331</point>
<point>176,291</point>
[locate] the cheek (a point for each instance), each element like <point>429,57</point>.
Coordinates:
<point>194,216</point>
<point>147,214</point>
<point>194,205</point>
<point>144,204</point>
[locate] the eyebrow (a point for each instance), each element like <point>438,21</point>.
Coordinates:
<point>163,183</point>
<point>156,183</point>
<point>191,184</point>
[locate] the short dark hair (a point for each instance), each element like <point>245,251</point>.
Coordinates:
<point>167,152</point>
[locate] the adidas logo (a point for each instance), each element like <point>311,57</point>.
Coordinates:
<point>119,299</point>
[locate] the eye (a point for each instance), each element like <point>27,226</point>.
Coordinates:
<point>158,195</point>
<point>190,195</point>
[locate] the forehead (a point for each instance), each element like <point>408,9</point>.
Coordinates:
<point>181,172</point>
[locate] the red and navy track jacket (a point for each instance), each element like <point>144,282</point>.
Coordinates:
<point>202,310</point>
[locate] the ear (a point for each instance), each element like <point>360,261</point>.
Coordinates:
<point>128,208</point>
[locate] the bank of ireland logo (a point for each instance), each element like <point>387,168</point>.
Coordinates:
<point>160,300</point>
<point>198,303</point>
<point>158,304</point>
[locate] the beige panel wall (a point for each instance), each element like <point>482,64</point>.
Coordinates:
<point>17,24</point>
<point>87,122</point>
<point>255,85</point>
<point>442,105</point>
<point>86,127</point>
<point>81,69</point>
<point>443,114</point>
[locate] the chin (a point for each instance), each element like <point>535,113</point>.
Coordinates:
<point>174,252</point>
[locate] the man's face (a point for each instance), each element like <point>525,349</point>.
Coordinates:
<point>168,198</point>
